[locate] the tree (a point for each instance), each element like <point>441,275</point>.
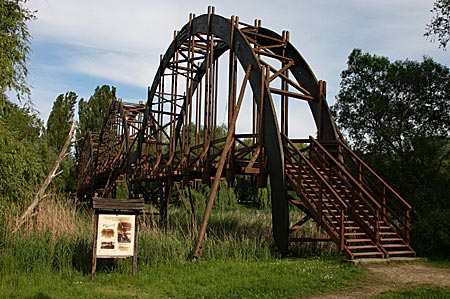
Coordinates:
<point>439,27</point>
<point>91,113</point>
<point>58,127</point>
<point>14,47</point>
<point>386,107</point>
<point>60,119</point>
<point>397,114</point>
<point>22,152</point>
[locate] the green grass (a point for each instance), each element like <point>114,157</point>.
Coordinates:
<point>439,263</point>
<point>423,292</point>
<point>213,279</point>
<point>50,257</point>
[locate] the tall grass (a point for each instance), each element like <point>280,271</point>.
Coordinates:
<point>59,238</point>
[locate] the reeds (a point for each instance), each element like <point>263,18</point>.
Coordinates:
<point>59,237</point>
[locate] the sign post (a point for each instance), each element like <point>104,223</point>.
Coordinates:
<point>116,230</point>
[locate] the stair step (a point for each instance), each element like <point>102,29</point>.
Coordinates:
<point>358,240</point>
<point>354,234</point>
<point>351,227</point>
<point>345,222</point>
<point>367,253</point>
<point>351,247</point>
<point>391,239</point>
<point>394,245</point>
<point>388,233</point>
<point>405,252</point>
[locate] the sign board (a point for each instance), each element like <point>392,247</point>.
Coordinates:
<point>115,235</point>
<point>116,229</point>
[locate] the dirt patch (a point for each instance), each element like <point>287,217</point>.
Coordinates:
<point>381,278</point>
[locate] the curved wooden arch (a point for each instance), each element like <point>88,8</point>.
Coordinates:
<point>238,42</point>
<point>152,145</point>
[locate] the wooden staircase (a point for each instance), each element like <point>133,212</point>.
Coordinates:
<point>358,210</point>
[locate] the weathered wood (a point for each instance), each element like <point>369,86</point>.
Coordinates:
<point>52,174</point>
<point>118,204</point>
<point>94,249</point>
<point>135,249</point>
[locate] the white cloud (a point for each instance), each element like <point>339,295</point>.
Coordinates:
<point>126,25</point>
<point>133,69</point>
<point>120,41</point>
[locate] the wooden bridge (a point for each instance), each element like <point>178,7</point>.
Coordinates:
<point>173,138</point>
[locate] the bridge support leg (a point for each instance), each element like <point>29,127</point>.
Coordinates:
<point>229,141</point>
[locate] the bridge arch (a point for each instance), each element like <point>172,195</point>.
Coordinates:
<point>175,137</point>
<point>248,45</point>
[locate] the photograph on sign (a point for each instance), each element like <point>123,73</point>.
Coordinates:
<point>115,235</point>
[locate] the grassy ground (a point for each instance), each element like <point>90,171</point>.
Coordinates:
<point>439,263</point>
<point>50,257</point>
<point>215,279</point>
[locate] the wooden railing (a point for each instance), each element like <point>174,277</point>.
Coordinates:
<point>395,210</point>
<point>365,208</point>
<point>307,181</point>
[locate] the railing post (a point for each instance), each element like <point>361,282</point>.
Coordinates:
<point>360,176</point>
<point>320,202</point>
<point>407,228</point>
<point>377,226</point>
<point>342,231</point>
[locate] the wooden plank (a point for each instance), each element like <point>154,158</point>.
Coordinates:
<point>118,204</point>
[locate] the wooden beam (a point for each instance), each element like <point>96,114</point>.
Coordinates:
<point>201,234</point>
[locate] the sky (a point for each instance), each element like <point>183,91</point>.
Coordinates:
<point>79,45</point>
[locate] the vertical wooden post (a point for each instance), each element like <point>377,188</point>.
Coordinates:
<point>320,99</point>
<point>94,248</point>
<point>342,236</point>
<point>135,249</point>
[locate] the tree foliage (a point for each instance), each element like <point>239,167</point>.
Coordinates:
<point>58,127</point>
<point>22,152</point>
<point>386,107</point>
<point>14,47</point>
<point>398,115</point>
<point>91,113</point>
<point>60,119</point>
<point>439,27</point>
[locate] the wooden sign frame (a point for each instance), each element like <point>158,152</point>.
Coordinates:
<point>116,228</point>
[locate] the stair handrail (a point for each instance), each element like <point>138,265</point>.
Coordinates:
<point>315,170</point>
<point>344,205</point>
<point>372,172</point>
<point>387,202</point>
<point>370,225</point>
<point>349,175</point>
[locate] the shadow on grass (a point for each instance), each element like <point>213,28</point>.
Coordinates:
<point>39,295</point>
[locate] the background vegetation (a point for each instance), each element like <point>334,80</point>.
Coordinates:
<point>397,116</point>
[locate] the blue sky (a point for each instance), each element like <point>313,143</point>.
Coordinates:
<point>78,45</point>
